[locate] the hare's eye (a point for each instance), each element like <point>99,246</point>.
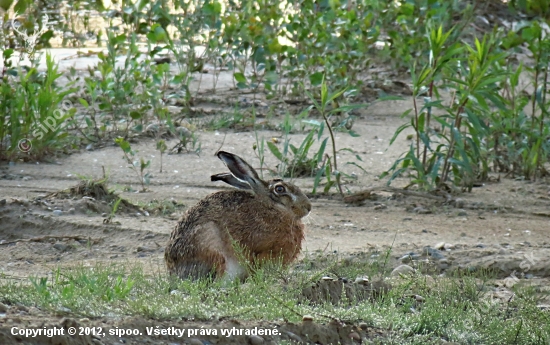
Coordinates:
<point>279,189</point>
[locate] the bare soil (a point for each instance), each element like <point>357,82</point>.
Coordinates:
<point>503,226</point>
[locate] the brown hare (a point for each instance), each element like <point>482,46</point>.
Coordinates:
<point>262,218</point>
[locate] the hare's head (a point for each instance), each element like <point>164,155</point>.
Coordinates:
<point>282,194</point>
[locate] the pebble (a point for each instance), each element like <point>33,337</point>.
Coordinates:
<point>409,257</point>
<point>402,270</point>
<point>89,147</point>
<point>256,340</point>
<point>355,336</point>
<point>440,246</point>
<point>144,249</point>
<point>71,210</point>
<point>480,245</point>
<point>462,214</point>
<point>307,318</point>
<point>27,178</point>
<point>57,213</point>
<point>419,298</point>
<point>459,203</point>
<point>3,308</point>
<point>380,207</point>
<point>434,253</point>
<point>60,246</point>
<point>362,280</point>
<point>443,264</point>
<point>194,341</point>
<point>3,202</point>
<point>421,210</point>
<point>363,326</point>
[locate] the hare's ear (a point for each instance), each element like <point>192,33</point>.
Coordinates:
<point>230,180</point>
<point>241,170</point>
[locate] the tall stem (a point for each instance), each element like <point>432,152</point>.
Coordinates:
<point>333,153</point>
<point>458,120</point>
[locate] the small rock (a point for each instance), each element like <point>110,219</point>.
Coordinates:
<point>60,246</point>
<point>409,257</point>
<point>425,231</point>
<point>362,280</point>
<point>443,264</point>
<point>307,318</point>
<point>434,253</point>
<point>27,178</point>
<point>256,340</point>
<point>327,278</point>
<point>459,203</point>
<point>421,210</point>
<point>89,147</point>
<point>3,308</point>
<point>448,246</point>
<point>402,270</point>
<point>419,298</point>
<point>71,210</point>
<point>529,276</point>
<point>57,213</point>
<point>363,326</point>
<point>144,249</point>
<point>407,218</point>
<point>440,246</point>
<point>3,202</point>
<point>22,308</point>
<point>480,245</point>
<point>355,336</point>
<point>380,207</point>
<point>194,341</point>
<point>462,214</point>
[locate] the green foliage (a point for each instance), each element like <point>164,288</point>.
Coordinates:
<point>484,128</point>
<point>33,108</point>
<point>138,166</point>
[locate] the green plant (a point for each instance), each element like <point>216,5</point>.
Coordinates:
<point>457,152</point>
<point>328,98</point>
<point>294,161</point>
<point>34,108</point>
<point>138,166</point>
<point>114,209</point>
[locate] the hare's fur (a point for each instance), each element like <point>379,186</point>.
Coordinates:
<point>259,222</point>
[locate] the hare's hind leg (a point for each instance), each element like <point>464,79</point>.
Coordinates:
<point>209,265</point>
